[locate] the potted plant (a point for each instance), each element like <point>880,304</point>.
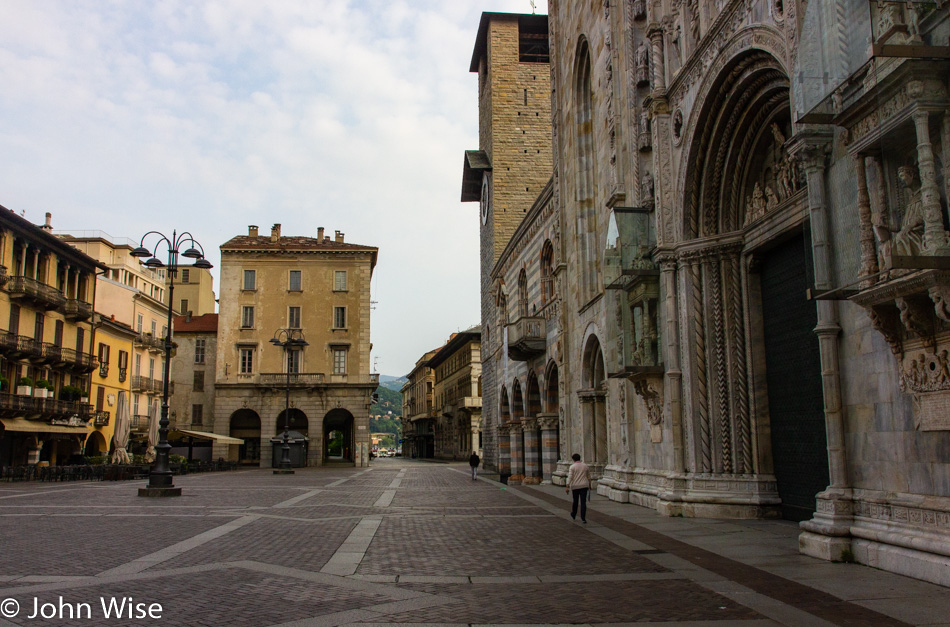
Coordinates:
<point>4,384</point>
<point>70,393</point>
<point>25,386</point>
<point>42,388</point>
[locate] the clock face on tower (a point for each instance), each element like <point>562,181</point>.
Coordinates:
<point>486,194</point>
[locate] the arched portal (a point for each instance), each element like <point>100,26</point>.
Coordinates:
<point>246,424</point>
<point>551,430</point>
<point>298,422</point>
<point>338,436</point>
<point>745,188</point>
<point>95,445</point>
<point>593,399</point>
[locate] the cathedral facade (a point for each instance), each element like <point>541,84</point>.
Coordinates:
<point>749,206</point>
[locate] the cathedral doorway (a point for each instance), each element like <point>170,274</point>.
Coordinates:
<point>793,376</point>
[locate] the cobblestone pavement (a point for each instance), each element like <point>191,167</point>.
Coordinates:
<point>408,542</point>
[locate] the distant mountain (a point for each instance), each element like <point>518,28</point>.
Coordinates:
<point>389,405</point>
<point>392,383</point>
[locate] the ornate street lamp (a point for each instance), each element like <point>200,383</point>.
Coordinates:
<point>160,477</point>
<point>291,340</point>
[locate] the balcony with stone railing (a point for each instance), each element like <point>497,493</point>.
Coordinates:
<point>76,310</point>
<point>149,341</point>
<point>312,379</point>
<point>35,408</point>
<point>29,290</point>
<point>527,337</point>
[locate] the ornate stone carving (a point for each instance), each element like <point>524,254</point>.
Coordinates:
<point>644,138</point>
<point>926,373</point>
<point>886,321</point>
<point>940,295</point>
<point>647,391</point>
<point>908,239</point>
<point>643,64</point>
<point>646,190</point>
<point>639,9</point>
<point>917,318</point>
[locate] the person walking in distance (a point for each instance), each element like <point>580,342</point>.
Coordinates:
<point>578,484</point>
<point>473,461</point>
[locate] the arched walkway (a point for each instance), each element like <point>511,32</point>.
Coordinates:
<point>95,445</point>
<point>593,398</point>
<point>246,424</point>
<point>338,436</point>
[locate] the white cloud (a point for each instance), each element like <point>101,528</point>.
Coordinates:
<point>212,116</point>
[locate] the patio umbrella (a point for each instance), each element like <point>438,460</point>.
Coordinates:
<point>123,424</point>
<point>152,431</point>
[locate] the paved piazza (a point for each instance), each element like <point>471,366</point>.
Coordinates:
<point>408,542</point>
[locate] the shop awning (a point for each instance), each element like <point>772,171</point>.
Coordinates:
<point>30,426</point>
<point>204,435</point>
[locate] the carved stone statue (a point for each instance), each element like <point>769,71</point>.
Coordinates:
<point>756,206</point>
<point>639,9</point>
<point>908,240</point>
<point>646,190</point>
<point>644,141</point>
<point>771,200</point>
<point>912,17</point>
<point>941,298</point>
<point>643,64</point>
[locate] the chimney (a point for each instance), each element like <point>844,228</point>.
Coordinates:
<point>320,233</point>
<point>49,222</point>
<point>275,233</point>
<point>339,237</point>
<point>252,230</point>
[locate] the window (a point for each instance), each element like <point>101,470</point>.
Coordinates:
<point>293,361</point>
<point>15,319</point>
<point>339,317</point>
<point>138,365</point>
<point>250,278</point>
<point>58,333</point>
<point>184,306</point>
<point>80,340</point>
<point>40,322</point>
<point>185,276</point>
<point>247,317</point>
<point>547,273</point>
<point>154,327</point>
<point>247,360</point>
<point>123,365</point>
<point>138,324</point>
<point>294,285</point>
<point>135,405</point>
<point>339,361</point>
<point>200,350</point>
<point>103,360</point>
<point>151,367</point>
<point>197,414</point>
<point>293,318</point>
<point>339,281</point>
<point>100,398</point>
<point>199,382</point>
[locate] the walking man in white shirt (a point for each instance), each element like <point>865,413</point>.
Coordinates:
<point>578,483</point>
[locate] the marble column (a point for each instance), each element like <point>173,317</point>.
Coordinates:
<point>516,452</point>
<point>935,237</point>
<point>669,314</point>
<point>532,451</point>
<point>659,70</point>
<point>504,450</point>
<point>820,239</point>
<point>548,425</point>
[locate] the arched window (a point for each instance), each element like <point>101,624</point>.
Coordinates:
<point>523,294</point>
<point>547,273</point>
<point>586,184</point>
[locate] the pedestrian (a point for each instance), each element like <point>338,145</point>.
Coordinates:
<point>578,484</point>
<point>473,461</point>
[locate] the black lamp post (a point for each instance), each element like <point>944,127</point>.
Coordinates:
<point>290,340</point>
<point>160,477</point>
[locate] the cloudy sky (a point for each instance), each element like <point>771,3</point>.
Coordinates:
<point>127,116</point>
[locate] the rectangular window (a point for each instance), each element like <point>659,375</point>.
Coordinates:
<point>15,319</point>
<point>58,333</point>
<point>339,317</point>
<point>339,280</point>
<point>294,285</point>
<point>199,382</point>
<point>139,322</point>
<point>135,405</point>
<point>100,398</point>
<point>339,361</point>
<point>247,360</point>
<point>247,317</point>
<point>185,275</point>
<point>151,367</point>
<point>80,340</point>
<point>38,326</point>
<point>103,353</point>
<point>184,306</point>
<point>197,414</point>
<point>123,359</point>
<point>250,278</point>
<point>138,365</point>
<point>293,318</point>
<point>200,350</point>
<point>293,361</point>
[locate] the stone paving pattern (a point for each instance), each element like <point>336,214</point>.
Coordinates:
<point>408,542</point>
